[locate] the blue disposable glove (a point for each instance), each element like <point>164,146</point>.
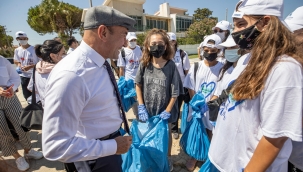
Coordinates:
<point>18,69</point>
<point>142,113</point>
<point>164,115</point>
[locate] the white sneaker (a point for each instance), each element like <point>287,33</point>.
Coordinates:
<point>32,154</point>
<point>22,164</point>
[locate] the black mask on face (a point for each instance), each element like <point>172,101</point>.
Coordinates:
<point>210,57</point>
<point>157,50</point>
<point>245,38</point>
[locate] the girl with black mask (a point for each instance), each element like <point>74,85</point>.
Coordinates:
<point>158,83</point>
<point>205,81</point>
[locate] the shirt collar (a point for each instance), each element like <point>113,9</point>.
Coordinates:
<point>91,53</point>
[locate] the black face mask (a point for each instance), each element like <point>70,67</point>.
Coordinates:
<point>157,50</point>
<point>245,38</point>
<point>210,57</point>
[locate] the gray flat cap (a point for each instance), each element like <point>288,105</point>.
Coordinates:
<point>104,15</point>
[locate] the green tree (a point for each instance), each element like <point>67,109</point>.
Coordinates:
<point>199,29</point>
<point>5,40</point>
<point>202,25</point>
<point>52,16</point>
<point>201,14</point>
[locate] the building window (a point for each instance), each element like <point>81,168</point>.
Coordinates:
<point>139,22</point>
<point>183,24</point>
<point>153,23</point>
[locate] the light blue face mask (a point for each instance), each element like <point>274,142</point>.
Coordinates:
<point>232,55</point>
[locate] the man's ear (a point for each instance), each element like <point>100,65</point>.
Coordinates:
<point>103,32</point>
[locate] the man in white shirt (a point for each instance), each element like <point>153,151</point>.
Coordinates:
<point>25,58</point>
<point>83,112</point>
<point>73,44</point>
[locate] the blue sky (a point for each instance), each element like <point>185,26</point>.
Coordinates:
<point>14,12</point>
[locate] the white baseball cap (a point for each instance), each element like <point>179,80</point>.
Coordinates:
<point>20,34</point>
<point>215,38</point>
<point>229,42</point>
<point>131,35</point>
<point>295,19</point>
<point>260,7</point>
<point>224,25</point>
<point>172,36</point>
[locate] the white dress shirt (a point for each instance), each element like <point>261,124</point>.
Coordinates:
<point>70,50</point>
<point>80,106</point>
<point>8,74</point>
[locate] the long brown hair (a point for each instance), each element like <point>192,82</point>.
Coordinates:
<point>147,57</point>
<point>275,41</point>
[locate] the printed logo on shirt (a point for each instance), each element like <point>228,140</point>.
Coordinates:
<point>132,64</point>
<point>207,88</point>
<point>230,104</point>
<point>156,95</point>
<point>177,59</point>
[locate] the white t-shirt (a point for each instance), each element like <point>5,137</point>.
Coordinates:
<point>241,124</point>
<point>26,57</point>
<point>206,81</point>
<point>228,77</point>
<point>223,83</point>
<point>40,80</point>
<point>186,64</point>
<point>131,62</point>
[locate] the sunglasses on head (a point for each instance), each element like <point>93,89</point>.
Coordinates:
<point>215,31</point>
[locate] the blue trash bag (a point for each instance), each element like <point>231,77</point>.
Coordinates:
<point>208,167</point>
<point>148,152</point>
<point>194,140</point>
<point>127,92</point>
<point>184,122</point>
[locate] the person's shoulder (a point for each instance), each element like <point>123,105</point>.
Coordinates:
<point>31,48</point>
<point>19,48</point>
<point>287,64</point>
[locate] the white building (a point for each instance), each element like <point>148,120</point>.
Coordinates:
<point>169,18</point>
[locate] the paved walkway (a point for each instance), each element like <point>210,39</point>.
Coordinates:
<point>43,165</point>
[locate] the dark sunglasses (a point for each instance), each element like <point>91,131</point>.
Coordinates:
<point>215,31</point>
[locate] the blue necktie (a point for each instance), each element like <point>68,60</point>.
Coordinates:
<point>113,80</point>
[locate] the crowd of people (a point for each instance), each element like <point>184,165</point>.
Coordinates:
<point>258,126</point>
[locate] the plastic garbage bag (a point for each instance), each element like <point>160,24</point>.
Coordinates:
<point>208,167</point>
<point>148,152</point>
<point>184,116</point>
<point>194,140</point>
<point>127,92</point>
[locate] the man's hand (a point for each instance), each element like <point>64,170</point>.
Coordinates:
<point>123,144</point>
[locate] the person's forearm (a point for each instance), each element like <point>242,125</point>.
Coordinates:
<point>265,153</point>
<point>17,63</point>
<point>186,72</point>
<point>171,104</point>
<point>214,97</point>
<point>31,66</point>
<point>139,94</point>
<point>121,73</point>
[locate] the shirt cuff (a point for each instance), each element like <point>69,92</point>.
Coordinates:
<point>109,147</point>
